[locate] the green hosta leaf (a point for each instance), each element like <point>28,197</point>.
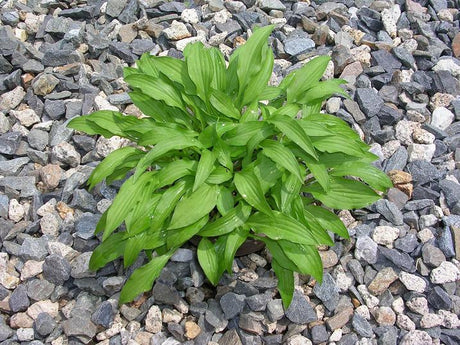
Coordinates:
<point>281,227</point>
<point>285,283</point>
<point>367,172</point>
<point>288,110</point>
<point>290,188</point>
<point>172,68</point>
<point>209,262</point>
<point>334,124</point>
<point>232,219</point>
<point>204,168</point>
<point>140,217</point>
<point>242,133</point>
<point>344,194</point>
<point>294,131</point>
<point>328,220</point>
<point>298,81</point>
<point>163,147</point>
<point>137,243</point>
<point>278,153</point>
<point>146,64</point>
<point>142,278</point>
<point>266,172</point>
<point>110,249</point>
<point>224,104</point>
<point>167,203</point>
<point>277,252</point>
<point>316,167</point>
<point>130,193</point>
<point>338,143</point>
<point>175,170</point>
<point>219,80</point>
<point>104,122</point>
<point>315,129</point>
<point>233,241</point>
<point>219,175</point>
<point>193,207</point>
<point>322,91</point>
<point>223,152</point>
<point>148,106</point>
<point>157,132</point>
<point>157,88</point>
<point>269,93</point>
<point>200,68</point>
<point>225,201</point>
<point>249,188</point>
<point>306,258</point>
<point>177,237</point>
<point>112,162</point>
<point>318,232</point>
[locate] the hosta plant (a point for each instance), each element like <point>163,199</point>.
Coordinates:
<point>224,156</point>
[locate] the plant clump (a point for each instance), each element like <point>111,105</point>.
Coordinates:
<point>224,156</point>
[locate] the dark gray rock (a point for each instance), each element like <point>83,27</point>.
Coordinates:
<point>404,56</point>
<point>38,139</point>
<point>388,335</point>
<point>407,243</point>
<point>445,242</point>
<point>369,101</point>
<point>423,172</point>
<point>165,294</point>
<point>141,46</point>
<point>58,57</point>
<point>439,298</point>
<point>33,249</point>
<point>300,311</point>
<point>172,7</point>
<point>129,14</point>
<point>19,301</point>
<point>400,259</point>
<point>115,7</point>
<point>362,326</point>
<point>298,42</point>
<point>230,26</point>
<point>389,115</point>
<point>215,316</point>
<point>182,255</point>
<point>56,269</point>
<point>39,289</point>
<point>103,315</point>
<point>348,339</point>
<point>79,13</point>
<point>327,292</point>
<point>84,201</point>
<point>232,304</point>
<point>319,334</point>
<point>54,109</point>
<point>356,270</point>
<point>268,5</point>
<point>386,60</point>
<point>397,161</point>
<point>259,302</point>
<point>9,142</point>
<point>275,310</point>
<point>244,288</point>
<point>5,331</point>
<point>12,166</point>
<point>390,211</point>
<point>79,325</point>
<point>44,324</point>
<point>59,132</point>
<point>121,50</point>
<point>451,191</point>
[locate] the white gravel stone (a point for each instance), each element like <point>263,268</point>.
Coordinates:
<point>106,146</point>
<point>336,335</point>
<point>421,152</point>
<point>153,320</point>
<point>425,235</point>
<point>450,320</point>
<point>416,338</point>
<point>10,100</point>
<point>25,334</point>
<point>26,117</point>
<point>200,37</point>
<point>390,18</point>
<point>418,305</point>
<point>422,136</point>
<point>8,275</point>
<point>363,310</point>
<point>412,282</point>
<point>31,268</point>
<point>190,15</point>
<point>49,224</point>
<point>62,249</point>
<point>431,320</point>
<point>102,103</point>
<point>65,153</point>
<point>404,130</point>
<point>298,340</point>
<point>398,305</point>
<point>45,306</point>
<point>447,272</point>
<point>177,31</point>
<point>15,211</point>
<point>441,118</point>
<point>448,64</point>
<point>404,322</point>
<point>385,235</point>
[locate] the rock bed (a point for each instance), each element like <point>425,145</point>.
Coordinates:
<point>396,281</point>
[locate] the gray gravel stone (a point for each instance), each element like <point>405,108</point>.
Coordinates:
<point>215,316</point>
<point>44,324</point>
<point>34,249</point>
<point>19,301</point>
<point>9,142</point>
<point>39,289</point>
<point>298,43</point>
<point>366,249</point>
<point>369,101</point>
<point>390,211</point>
<point>12,166</point>
<point>300,311</point>
<point>56,269</point>
<point>232,304</point>
<point>5,331</point>
<point>258,302</point>
<point>275,310</point>
<point>38,139</point>
<point>182,255</point>
<point>103,315</point>
<point>327,292</point>
<point>362,326</point>
<point>165,294</point>
<point>86,224</point>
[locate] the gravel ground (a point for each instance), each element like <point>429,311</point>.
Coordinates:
<point>396,281</point>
